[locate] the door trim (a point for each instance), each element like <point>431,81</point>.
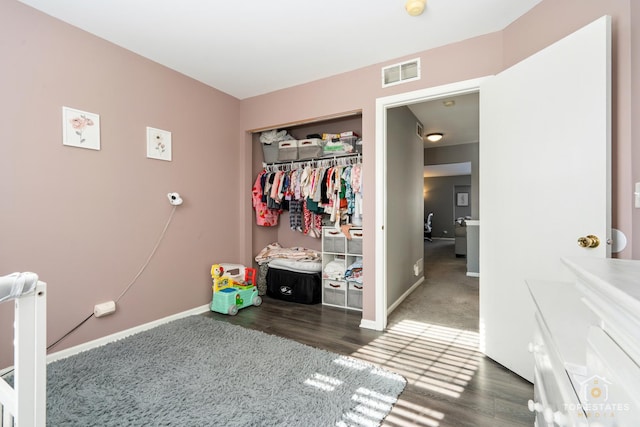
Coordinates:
<point>382,104</point>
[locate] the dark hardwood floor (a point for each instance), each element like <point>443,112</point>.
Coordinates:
<point>449,382</point>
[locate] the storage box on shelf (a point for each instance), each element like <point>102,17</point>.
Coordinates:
<point>354,295</point>
<point>288,150</point>
<point>331,145</point>
<point>270,152</point>
<point>309,148</point>
<point>338,253</point>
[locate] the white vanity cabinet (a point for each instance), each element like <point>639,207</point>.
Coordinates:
<point>586,345</point>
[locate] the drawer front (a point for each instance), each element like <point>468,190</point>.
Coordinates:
<point>354,295</point>
<point>334,292</point>
<point>618,323</point>
<point>354,245</point>
<point>553,390</point>
<point>335,284</point>
<point>611,387</point>
<point>333,240</point>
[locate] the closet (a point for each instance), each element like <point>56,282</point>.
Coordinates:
<point>263,236</point>
<point>285,233</point>
<point>315,192</point>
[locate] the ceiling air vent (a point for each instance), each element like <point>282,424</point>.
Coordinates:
<point>401,73</point>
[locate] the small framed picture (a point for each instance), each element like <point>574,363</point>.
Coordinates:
<point>80,129</point>
<point>419,130</point>
<point>462,199</point>
<point>158,144</point>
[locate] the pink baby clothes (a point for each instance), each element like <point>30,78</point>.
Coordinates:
<point>264,216</point>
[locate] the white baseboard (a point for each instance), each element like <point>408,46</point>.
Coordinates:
<point>377,325</point>
<point>405,295</point>
<point>470,274</point>
<point>370,324</point>
<point>122,334</point>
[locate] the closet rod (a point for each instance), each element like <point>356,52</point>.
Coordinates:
<point>333,159</point>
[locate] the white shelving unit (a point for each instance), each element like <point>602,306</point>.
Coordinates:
<point>338,251</point>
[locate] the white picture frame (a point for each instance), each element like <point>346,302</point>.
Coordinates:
<point>80,129</point>
<point>462,199</point>
<point>158,144</point>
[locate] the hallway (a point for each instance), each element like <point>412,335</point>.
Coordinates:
<point>436,334</point>
<point>447,296</point>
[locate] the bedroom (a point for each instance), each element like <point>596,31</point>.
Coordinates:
<point>85,220</point>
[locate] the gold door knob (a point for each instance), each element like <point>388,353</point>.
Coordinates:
<point>589,241</point>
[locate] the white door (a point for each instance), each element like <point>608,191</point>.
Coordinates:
<point>544,180</point>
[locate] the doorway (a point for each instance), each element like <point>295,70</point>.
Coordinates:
<point>381,236</point>
<point>447,194</point>
<point>546,78</point>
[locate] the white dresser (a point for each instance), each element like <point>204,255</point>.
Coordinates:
<point>586,345</point>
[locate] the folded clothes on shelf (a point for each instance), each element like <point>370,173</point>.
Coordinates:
<point>353,273</point>
<point>334,270</point>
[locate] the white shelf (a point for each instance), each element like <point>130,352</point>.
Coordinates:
<point>340,252</point>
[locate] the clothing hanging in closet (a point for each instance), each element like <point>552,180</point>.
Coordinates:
<point>308,190</point>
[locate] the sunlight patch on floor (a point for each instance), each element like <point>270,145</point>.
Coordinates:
<point>435,358</point>
<point>352,363</point>
<point>323,382</point>
<point>406,414</point>
<point>371,407</point>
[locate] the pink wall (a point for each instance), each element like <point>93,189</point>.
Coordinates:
<point>358,90</point>
<point>634,16</point>
<point>481,56</point>
<point>87,220</point>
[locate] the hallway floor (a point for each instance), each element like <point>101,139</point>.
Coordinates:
<point>453,384</point>
<point>447,296</point>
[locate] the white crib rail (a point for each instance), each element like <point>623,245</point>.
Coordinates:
<point>24,404</point>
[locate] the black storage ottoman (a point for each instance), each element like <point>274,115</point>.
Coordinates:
<point>292,286</point>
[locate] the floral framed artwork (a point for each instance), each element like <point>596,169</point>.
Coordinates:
<point>158,144</point>
<point>80,129</point>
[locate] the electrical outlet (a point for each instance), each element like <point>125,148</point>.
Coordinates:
<point>417,267</point>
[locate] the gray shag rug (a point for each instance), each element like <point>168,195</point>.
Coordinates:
<point>202,372</point>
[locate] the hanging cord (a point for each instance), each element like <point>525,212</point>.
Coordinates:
<point>70,332</point>
<point>144,266</point>
<point>153,252</point>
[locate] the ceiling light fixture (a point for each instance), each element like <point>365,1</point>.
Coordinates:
<point>449,103</point>
<point>435,137</point>
<point>415,7</point>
